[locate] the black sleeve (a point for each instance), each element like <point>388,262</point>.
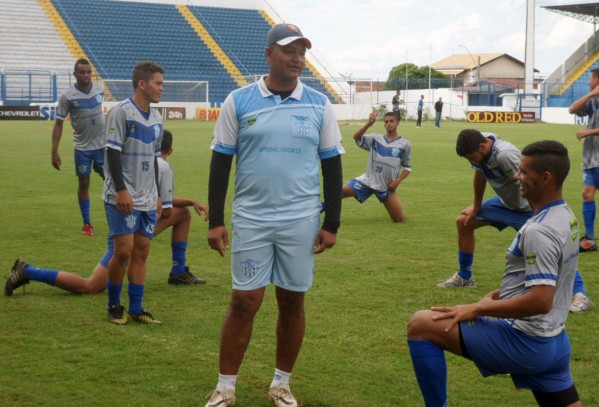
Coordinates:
<point>218,183</point>
<point>116,168</point>
<point>332,185</point>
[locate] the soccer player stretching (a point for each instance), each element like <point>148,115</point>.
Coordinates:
<point>518,329</point>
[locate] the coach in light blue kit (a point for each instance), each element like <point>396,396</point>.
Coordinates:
<point>282,133</point>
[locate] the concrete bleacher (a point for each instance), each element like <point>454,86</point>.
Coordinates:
<point>30,42</point>
<point>117,35</point>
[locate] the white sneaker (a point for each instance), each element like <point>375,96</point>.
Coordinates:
<point>457,281</point>
<point>580,303</point>
<point>221,397</point>
<point>282,397</point>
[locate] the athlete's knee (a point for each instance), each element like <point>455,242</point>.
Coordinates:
<point>588,194</point>
<point>418,323</point>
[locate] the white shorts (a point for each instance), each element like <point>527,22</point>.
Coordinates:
<point>282,254</point>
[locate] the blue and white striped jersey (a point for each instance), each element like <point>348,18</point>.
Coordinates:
<point>279,145</point>
<point>500,168</point>
<point>137,135</point>
<point>387,158</point>
<point>87,116</point>
<point>544,252</point>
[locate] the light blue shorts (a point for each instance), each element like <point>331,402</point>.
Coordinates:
<point>363,192</point>
<point>533,362</point>
<point>280,254</point>
<point>590,177</point>
<point>86,160</point>
<point>494,211</point>
<point>123,224</point>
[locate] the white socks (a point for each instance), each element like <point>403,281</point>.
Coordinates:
<point>228,381</point>
<point>280,378</point>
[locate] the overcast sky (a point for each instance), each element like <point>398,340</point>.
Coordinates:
<point>369,37</point>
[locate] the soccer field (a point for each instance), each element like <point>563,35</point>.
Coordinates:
<point>58,349</point>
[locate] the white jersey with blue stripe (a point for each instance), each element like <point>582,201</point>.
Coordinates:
<point>590,145</point>
<point>166,183</point>
<point>87,115</point>
<point>387,158</point>
<point>137,135</point>
<point>279,145</point>
<point>544,252</point>
<point>500,168</point>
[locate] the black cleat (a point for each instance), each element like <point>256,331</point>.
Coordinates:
<point>17,277</point>
<point>117,315</point>
<point>185,278</point>
<point>145,318</point>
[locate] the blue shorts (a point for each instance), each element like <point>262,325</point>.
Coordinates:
<point>363,192</point>
<point>533,362</point>
<point>280,254</point>
<point>590,177</point>
<point>494,211</point>
<point>123,224</point>
<point>86,160</point>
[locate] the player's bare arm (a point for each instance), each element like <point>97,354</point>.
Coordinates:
<point>371,120</point>
<point>580,134</point>
<point>56,135</point>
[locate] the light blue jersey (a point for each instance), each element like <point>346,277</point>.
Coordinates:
<point>279,145</point>
<point>87,115</point>
<point>138,136</point>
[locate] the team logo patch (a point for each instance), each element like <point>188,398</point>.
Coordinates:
<point>249,267</point>
<point>531,258</point>
<point>574,231</point>
<point>99,98</point>
<point>252,121</point>
<point>82,169</point>
<point>395,151</point>
<point>292,27</point>
<point>75,103</point>
<point>111,131</point>
<point>130,221</point>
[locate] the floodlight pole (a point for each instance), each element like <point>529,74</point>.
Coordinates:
<point>475,63</point>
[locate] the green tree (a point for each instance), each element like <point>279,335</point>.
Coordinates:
<point>417,77</point>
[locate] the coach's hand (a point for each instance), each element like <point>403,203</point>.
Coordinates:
<point>324,240</point>
<point>218,239</point>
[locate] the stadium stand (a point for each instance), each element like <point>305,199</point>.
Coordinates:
<point>30,43</point>
<point>192,43</point>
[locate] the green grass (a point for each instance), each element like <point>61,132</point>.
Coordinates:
<point>58,349</point>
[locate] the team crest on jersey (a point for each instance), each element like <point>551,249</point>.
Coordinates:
<point>252,121</point>
<point>99,98</point>
<point>75,103</point>
<point>574,231</point>
<point>249,267</point>
<point>531,258</point>
<point>130,221</point>
<point>395,151</point>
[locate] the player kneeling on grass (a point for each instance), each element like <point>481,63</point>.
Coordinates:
<point>518,329</point>
<point>174,213</point>
<point>389,164</point>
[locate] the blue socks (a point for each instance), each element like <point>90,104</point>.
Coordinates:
<point>45,276</point>
<point>465,260</point>
<point>588,215</point>
<point>114,293</point>
<point>136,293</point>
<point>578,285</point>
<point>109,252</point>
<point>431,371</point>
<point>84,207</point>
<point>178,250</point>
